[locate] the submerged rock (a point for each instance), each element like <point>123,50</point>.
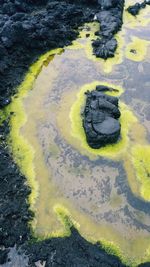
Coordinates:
<point>135,9</point>
<point>110,19</point>
<point>100,118</point>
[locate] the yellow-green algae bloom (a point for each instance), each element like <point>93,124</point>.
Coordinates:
<point>107,65</point>
<point>21,149</point>
<point>126,120</point>
<point>141,162</point>
<point>141,20</point>
<point>137,49</point>
<point>24,152</point>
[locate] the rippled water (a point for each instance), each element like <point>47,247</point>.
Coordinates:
<point>102,193</point>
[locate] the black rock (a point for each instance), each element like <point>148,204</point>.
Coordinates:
<point>104,48</point>
<point>100,118</point>
<point>135,9</point>
<point>30,28</point>
<point>110,19</point>
<point>108,127</point>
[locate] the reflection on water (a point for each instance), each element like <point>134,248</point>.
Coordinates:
<point>104,195</point>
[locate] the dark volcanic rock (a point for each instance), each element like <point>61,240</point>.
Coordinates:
<point>100,118</point>
<point>104,48</point>
<point>30,28</point>
<point>135,9</point>
<point>110,19</point>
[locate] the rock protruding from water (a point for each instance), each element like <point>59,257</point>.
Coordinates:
<point>135,9</point>
<point>110,19</point>
<point>100,118</point>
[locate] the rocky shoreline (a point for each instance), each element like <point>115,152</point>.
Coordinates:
<point>27,30</point>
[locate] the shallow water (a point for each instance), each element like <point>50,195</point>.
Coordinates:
<point>104,192</point>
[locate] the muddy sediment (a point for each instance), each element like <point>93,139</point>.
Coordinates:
<point>33,22</point>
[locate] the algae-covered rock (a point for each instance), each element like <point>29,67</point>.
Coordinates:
<point>100,118</point>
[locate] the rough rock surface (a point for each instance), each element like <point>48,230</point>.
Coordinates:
<point>110,19</point>
<point>28,29</point>
<point>43,25</point>
<point>100,118</point>
<point>135,9</point>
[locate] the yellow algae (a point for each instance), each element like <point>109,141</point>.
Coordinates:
<point>141,20</point>
<point>65,218</point>
<point>22,151</point>
<point>81,42</point>
<point>126,120</point>
<point>49,222</point>
<point>54,213</point>
<point>137,49</point>
<point>107,65</point>
<point>141,163</point>
<point>131,132</point>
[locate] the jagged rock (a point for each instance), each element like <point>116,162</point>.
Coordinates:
<point>135,9</point>
<point>107,4</point>
<point>29,28</point>
<point>100,118</point>
<point>110,19</point>
<point>104,48</point>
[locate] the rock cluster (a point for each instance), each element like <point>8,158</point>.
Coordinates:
<point>135,9</point>
<point>110,19</point>
<point>29,28</point>
<point>100,118</point>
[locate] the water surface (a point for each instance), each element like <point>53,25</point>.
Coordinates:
<point>104,194</point>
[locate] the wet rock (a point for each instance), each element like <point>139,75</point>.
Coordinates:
<point>110,19</point>
<point>135,9</point>
<point>100,118</point>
